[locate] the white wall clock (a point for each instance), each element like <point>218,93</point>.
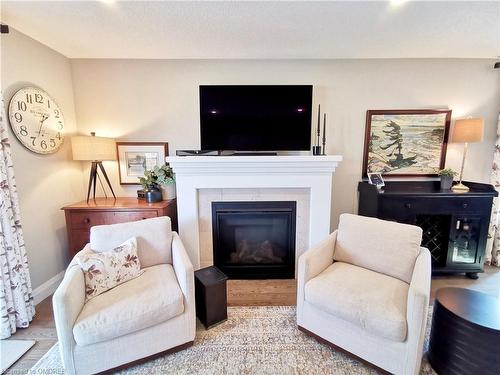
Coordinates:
<point>36,120</point>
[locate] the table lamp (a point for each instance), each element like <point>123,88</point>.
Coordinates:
<point>466,131</point>
<point>96,150</point>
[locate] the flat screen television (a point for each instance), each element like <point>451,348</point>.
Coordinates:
<point>256,118</point>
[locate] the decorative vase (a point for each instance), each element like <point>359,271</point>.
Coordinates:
<point>153,195</point>
<point>168,191</point>
<point>446,182</point>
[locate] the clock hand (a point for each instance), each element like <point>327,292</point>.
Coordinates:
<point>41,123</point>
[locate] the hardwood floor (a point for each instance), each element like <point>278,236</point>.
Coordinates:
<point>261,292</point>
<point>488,282</point>
<point>43,330</point>
<point>240,293</point>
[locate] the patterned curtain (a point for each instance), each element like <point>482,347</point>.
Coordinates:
<point>16,299</point>
<point>493,244</point>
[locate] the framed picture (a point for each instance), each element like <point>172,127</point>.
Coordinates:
<point>135,157</point>
<point>402,143</point>
<point>376,179</point>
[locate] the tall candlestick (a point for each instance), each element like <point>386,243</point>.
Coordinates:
<point>317,145</point>
<point>324,134</point>
<point>319,124</point>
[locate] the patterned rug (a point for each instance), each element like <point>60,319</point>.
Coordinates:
<point>254,340</point>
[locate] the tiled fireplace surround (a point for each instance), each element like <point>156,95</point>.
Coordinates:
<point>202,180</point>
<point>207,196</point>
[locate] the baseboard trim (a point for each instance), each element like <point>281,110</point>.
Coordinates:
<point>47,288</point>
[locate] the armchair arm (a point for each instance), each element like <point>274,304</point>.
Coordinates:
<point>311,264</point>
<point>316,260</point>
<point>185,276</point>
<point>67,302</point>
<point>183,268</point>
<point>417,309</point>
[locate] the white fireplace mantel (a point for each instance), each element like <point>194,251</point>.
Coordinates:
<point>211,172</point>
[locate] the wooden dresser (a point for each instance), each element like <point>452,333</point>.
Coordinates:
<point>81,216</point>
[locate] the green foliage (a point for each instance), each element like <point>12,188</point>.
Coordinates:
<point>157,176</point>
<point>149,181</point>
<point>447,172</point>
<point>164,175</point>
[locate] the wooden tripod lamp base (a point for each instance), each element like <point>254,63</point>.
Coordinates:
<point>96,150</point>
<point>94,176</point>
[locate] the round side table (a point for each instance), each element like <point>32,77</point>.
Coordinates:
<point>465,333</point>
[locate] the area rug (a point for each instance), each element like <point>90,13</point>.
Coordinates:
<point>254,340</point>
<point>11,351</point>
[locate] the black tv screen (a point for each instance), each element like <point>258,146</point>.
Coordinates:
<point>255,118</point>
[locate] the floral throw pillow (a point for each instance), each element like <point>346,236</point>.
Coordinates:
<point>103,271</point>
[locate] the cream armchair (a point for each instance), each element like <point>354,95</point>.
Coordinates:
<point>149,315</point>
<point>365,289</point>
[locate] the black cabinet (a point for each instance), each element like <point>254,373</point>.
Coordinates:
<point>455,225</point>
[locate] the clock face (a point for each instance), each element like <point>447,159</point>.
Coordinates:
<point>36,120</point>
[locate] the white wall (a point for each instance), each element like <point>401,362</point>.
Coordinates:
<point>45,183</point>
<point>154,100</point>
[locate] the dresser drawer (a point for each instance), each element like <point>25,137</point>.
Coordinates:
<point>114,217</point>
<point>469,205</point>
<point>85,220</point>
<point>435,205</point>
<point>403,208</point>
<point>79,238</point>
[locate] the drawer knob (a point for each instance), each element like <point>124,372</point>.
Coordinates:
<point>86,220</point>
<point>464,205</point>
<point>408,205</point>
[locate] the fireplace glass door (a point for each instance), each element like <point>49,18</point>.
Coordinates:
<point>254,239</point>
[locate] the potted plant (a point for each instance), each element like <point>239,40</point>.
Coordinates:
<point>166,180</point>
<point>151,187</point>
<point>446,178</point>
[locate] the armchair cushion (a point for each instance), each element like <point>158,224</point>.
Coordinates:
<point>150,299</point>
<point>373,301</point>
<point>383,246</point>
<point>154,239</point>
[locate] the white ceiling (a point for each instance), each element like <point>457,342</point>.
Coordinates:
<point>260,29</point>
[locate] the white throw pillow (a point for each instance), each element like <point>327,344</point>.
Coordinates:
<point>103,271</point>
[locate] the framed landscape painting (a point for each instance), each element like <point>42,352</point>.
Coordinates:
<point>134,158</point>
<point>402,143</point>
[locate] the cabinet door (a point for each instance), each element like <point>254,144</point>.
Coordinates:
<point>464,241</point>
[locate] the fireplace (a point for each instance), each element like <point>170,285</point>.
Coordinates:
<point>254,240</point>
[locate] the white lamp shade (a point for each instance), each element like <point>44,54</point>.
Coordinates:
<point>468,130</point>
<point>92,148</point>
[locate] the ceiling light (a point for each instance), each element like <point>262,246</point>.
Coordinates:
<point>397,3</point>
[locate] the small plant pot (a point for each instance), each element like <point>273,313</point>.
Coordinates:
<point>446,182</point>
<point>168,191</point>
<point>153,195</point>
